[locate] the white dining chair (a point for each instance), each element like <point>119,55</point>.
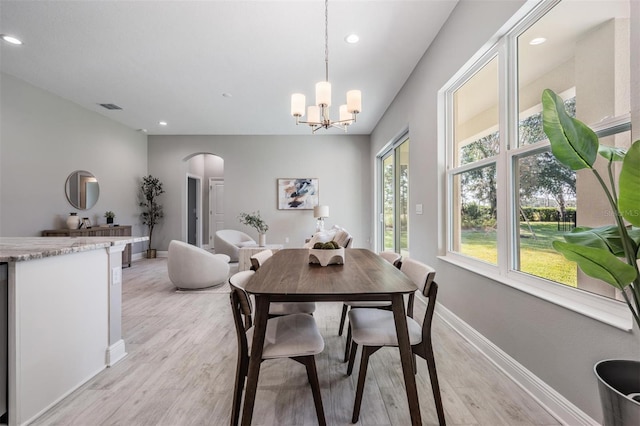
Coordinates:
<point>375,328</point>
<point>291,336</point>
<point>394,259</point>
<point>281,308</point>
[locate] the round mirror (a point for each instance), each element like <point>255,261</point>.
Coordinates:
<point>82,190</point>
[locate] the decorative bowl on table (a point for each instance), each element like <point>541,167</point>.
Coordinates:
<point>326,256</point>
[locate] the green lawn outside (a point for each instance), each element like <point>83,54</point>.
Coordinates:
<point>537,255</point>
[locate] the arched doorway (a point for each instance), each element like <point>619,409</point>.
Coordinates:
<point>204,189</point>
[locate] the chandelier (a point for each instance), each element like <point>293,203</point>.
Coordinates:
<point>318,114</point>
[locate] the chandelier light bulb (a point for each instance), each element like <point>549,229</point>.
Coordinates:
<point>298,103</point>
<point>323,93</point>
<point>313,114</point>
<point>354,101</point>
<point>345,116</point>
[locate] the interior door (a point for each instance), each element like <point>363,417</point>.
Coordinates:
<point>216,207</point>
<point>192,211</point>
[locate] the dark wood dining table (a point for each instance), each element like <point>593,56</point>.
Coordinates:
<point>289,277</point>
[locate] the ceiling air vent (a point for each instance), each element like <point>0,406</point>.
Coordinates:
<point>110,106</point>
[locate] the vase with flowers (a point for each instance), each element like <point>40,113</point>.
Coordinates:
<point>255,221</point>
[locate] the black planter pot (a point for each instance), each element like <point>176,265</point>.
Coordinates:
<point>619,388</point>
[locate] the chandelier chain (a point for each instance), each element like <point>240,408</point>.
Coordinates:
<point>326,39</point>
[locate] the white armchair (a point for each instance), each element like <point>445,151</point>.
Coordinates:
<point>229,241</point>
<point>191,267</point>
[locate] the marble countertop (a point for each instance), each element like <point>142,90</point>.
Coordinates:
<point>17,249</point>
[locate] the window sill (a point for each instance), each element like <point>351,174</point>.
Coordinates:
<point>603,309</point>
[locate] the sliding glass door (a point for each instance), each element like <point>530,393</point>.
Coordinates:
<point>394,216</point>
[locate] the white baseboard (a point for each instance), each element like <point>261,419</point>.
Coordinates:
<point>142,255</point>
<point>116,352</point>
<point>137,256</point>
<point>556,404</point>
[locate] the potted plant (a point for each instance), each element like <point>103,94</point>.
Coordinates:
<point>255,221</point>
<point>110,216</point>
<point>152,213</point>
<point>609,253</point>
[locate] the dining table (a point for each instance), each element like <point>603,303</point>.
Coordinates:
<point>288,276</point>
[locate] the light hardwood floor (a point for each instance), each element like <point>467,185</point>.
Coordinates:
<point>181,365</point>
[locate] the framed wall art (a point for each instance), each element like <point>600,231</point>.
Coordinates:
<point>297,194</point>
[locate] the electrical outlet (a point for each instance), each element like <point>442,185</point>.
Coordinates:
<point>116,276</point>
<point>286,239</point>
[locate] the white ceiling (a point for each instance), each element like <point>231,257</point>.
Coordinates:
<point>173,60</point>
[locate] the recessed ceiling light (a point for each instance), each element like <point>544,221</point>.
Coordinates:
<point>162,123</point>
<point>537,40</point>
<point>352,38</point>
<point>227,95</point>
<point>10,39</point>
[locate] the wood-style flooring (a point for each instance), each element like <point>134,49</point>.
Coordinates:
<point>182,357</point>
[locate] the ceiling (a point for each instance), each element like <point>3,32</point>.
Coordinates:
<point>174,60</point>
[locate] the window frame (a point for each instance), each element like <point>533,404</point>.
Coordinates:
<point>391,150</point>
<point>504,47</point>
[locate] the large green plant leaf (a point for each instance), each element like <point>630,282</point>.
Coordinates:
<point>604,237</point>
<point>598,263</point>
<point>573,143</point>
<point>629,181</point>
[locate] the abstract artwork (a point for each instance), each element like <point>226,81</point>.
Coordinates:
<point>297,194</point>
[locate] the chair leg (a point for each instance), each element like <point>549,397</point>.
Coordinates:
<point>364,362</point>
<point>343,317</point>
<point>241,374</point>
<point>352,357</point>
<point>433,376</point>
<point>312,374</point>
<point>347,344</point>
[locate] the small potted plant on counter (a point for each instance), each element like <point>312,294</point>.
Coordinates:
<point>110,216</point>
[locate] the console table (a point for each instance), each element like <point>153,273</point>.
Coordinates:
<point>97,231</point>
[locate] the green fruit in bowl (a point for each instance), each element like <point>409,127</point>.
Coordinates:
<point>318,245</point>
<point>327,246</point>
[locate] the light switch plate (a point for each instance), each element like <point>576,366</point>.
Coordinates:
<point>418,208</point>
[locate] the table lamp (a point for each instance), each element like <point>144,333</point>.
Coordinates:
<point>320,213</point>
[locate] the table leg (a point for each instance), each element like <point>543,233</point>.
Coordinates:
<point>260,327</point>
<point>406,358</point>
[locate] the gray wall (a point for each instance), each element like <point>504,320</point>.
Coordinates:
<point>252,165</point>
<point>556,344</point>
<point>43,138</point>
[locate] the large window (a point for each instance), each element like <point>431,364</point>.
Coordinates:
<point>395,198</point>
<point>508,197</point>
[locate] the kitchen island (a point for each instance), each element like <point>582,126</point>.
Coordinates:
<point>64,302</point>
